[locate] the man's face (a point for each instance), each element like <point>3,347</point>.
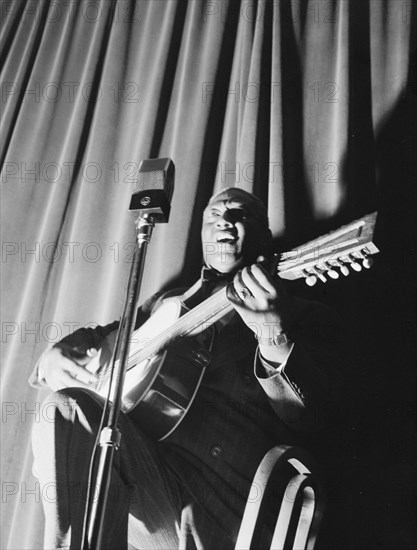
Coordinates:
<point>232,233</point>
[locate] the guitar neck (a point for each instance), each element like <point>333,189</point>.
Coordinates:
<point>348,247</point>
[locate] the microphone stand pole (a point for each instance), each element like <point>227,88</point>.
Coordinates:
<point>110,435</point>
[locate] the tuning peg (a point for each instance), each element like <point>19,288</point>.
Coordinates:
<point>310,279</point>
<point>319,274</point>
<point>367,262</point>
<point>314,273</point>
<point>331,272</point>
<point>343,268</point>
<point>354,264</point>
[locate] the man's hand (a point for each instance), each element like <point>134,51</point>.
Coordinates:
<point>263,304</point>
<point>60,372</point>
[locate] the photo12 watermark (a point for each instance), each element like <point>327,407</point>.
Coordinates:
<point>327,92</point>
<point>317,11</point>
<point>57,12</point>
<point>61,173</point>
<point>71,92</point>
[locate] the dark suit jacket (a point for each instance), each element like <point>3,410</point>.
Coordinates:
<point>241,410</point>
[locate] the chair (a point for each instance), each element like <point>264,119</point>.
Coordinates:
<point>301,504</point>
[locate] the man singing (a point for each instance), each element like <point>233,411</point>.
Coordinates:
<point>269,381</point>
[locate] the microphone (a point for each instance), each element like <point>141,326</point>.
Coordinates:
<point>156,185</point>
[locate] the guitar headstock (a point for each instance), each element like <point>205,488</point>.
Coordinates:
<point>339,251</point>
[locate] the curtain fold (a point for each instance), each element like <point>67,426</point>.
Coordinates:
<point>288,99</point>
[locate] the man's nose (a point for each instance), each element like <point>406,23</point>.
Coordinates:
<point>226,220</point>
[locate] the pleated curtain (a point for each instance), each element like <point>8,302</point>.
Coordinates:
<point>286,99</point>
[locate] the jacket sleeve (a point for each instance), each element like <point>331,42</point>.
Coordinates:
<point>303,394</point>
<point>76,345</point>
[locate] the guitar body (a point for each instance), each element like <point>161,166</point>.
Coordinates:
<point>159,404</point>
<point>158,391</point>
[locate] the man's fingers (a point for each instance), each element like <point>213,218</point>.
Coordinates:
<point>61,372</point>
<point>248,280</point>
<point>256,282</point>
<point>80,373</point>
<point>263,278</point>
<point>232,294</point>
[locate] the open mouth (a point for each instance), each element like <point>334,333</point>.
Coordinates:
<point>226,238</point>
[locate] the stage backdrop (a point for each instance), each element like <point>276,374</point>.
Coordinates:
<point>305,103</point>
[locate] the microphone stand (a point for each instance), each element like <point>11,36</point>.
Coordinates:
<point>110,436</point>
